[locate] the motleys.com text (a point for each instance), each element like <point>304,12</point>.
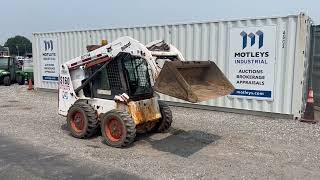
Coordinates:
<point>258,93</point>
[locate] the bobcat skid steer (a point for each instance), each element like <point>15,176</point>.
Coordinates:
<point>113,88</point>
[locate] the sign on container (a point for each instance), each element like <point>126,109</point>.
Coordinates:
<point>252,61</point>
<point>49,59</point>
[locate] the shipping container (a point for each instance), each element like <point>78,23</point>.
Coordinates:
<point>315,59</point>
<point>266,59</point>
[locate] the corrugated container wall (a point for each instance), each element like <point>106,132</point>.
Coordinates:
<point>315,56</point>
<point>209,41</point>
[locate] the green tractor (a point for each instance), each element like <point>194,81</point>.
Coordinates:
<point>11,71</point>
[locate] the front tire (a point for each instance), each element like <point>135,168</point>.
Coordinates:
<point>7,81</point>
<point>118,128</point>
<point>166,120</point>
<point>20,80</point>
<point>82,120</point>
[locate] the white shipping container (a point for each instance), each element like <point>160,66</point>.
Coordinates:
<point>275,50</point>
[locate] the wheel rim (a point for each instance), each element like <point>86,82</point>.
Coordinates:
<point>113,129</point>
<point>77,122</point>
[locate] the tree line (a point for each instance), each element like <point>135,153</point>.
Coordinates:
<point>18,45</point>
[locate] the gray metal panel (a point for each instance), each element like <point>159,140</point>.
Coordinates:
<point>316,63</point>
<point>207,41</point>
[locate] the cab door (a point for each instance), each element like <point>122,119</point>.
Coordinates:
<point>12,68</point>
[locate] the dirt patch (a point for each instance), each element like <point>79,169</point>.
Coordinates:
<point>26,108</point>
<point>13,101</point>
<point>6,106</point>
<point>94,146</point>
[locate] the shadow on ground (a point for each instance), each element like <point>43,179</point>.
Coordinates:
<point>14,104</point>
<point>19,161</point>
<point>64,127</point>
<point>180,142</point>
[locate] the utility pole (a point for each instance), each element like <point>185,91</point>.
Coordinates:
<point>18,50</point>
<point>25,50</point>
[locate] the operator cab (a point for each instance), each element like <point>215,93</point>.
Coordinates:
<point>9,63</point>
<point>5,62</point>
<point>123,74</point>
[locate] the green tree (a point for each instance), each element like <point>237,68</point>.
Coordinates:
<point>19,45</point>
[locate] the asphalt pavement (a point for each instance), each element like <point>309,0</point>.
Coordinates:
<point>23,161</point>
<point>201,144</point>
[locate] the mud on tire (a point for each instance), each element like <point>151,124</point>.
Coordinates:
<point>118,128</point>
<point>165,122</point>
<point>82,120</point>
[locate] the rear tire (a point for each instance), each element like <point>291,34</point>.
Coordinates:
<point>7,81</point>
<point>20,80</point>
<point>166,120</point>
<point>118,128</point>
<point>82,120</point>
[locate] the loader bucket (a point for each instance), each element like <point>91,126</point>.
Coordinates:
<point>193,81</point>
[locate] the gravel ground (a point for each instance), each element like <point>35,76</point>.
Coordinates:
<point>200,145</point>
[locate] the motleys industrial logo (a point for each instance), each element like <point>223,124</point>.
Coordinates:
<point>251,61</point>
<point>252,36</point>
<point>48,45</point>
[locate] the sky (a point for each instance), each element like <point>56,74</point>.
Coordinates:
<point>23,17</point>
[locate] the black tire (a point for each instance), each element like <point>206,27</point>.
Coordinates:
<point>87,119</point>
<point>7,81</point>
<point>20,80</point>
<point>165,122</point>
<point>121,122</point>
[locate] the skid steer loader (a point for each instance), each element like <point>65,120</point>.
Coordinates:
<point>113,88</point>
